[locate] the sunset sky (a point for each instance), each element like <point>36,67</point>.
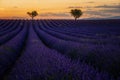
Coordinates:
<point>59,9</point>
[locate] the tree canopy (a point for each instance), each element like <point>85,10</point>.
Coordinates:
<point>76,13</point>
<point>32,14</point>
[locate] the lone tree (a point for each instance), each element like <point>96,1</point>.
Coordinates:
<point>32,14</point>
<point>76,13</point>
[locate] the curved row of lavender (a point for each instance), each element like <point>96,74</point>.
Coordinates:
<point>39,62</point>
<point>85,39</point>
<point>8,28</point>
<point>87,30</point>
<point>57,50</point>
<point>10,50</point>
<point>5,23</point>
<point>104,26</point>
<point>91,32</point>
<point>12,29</point>
<point>103,56</point>
<point>107,30</point>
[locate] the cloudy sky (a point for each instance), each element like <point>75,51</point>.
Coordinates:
<point>49,9</point>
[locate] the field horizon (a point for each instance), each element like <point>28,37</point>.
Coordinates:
<point>63,19</point>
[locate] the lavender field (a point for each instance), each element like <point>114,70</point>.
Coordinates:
<point>59,50</point>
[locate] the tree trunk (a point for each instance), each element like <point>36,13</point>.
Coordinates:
<point>75,19</point>
<point>32,18</point>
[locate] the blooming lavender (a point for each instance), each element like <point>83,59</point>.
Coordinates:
<point>39,62</point>
<point>59,50</point>
<point>11,50</point>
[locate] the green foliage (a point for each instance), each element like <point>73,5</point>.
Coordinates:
<point>32,14</point>
<point>76,13</point>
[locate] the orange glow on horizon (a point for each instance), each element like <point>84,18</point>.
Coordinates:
<point>50,8</point>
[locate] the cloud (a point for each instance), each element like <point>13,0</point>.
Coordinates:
<point>101,11</point>
<point>108,6</point>
<point>100,6</point>
<point>72,7</point>
<point>111,11</point>
<point>97,13</point>
<point>105,11</point>
<point>114,17</point>
<point>55,14</point>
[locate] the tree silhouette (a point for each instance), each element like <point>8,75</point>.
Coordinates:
<point>76,13</point>
<point>32,14</point>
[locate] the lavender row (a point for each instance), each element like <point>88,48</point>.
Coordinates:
<point>11,50</point>
<point>41,63</point>
<point>7,25</point>
<point>5,22</point>
<point>76,39</point>
<point>84,28</point>
<point>2,22</point>
<point>102,57</point>
<point>10,35</point>
<point>102,25</point>
<point>61,28</point>
<point>11,27</point>
<point>67,37</point>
